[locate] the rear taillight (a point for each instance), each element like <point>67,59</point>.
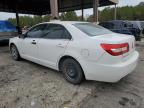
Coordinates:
<point>116,49</point>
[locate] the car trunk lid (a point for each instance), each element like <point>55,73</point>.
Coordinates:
<point>118,39</point>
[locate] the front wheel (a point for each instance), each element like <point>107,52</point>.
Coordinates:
<point>14,53</point>
<point>72,71</point>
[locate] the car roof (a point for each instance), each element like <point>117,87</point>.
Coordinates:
<point>63,22</point>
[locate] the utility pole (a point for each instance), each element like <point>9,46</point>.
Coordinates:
<point>95,10</point>
<point>82,6</point>
<point>18,24</point>
<point>17,19</point>
<point>115,13</point>
<point>54,9</point>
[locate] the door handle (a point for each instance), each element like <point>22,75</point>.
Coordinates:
<point>60,45</point>
<point>34,43</point>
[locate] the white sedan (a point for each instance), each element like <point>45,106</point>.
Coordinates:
<point>80,50</point>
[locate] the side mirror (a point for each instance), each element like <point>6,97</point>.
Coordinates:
<point>22,36</point>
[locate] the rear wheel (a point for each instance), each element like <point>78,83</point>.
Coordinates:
<point>72,71</point>
<point>14,52</point>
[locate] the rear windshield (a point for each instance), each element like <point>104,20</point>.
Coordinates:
<point>92,29</point>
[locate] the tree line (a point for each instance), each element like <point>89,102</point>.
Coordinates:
<point>32,20</point>
<point>123,13</point>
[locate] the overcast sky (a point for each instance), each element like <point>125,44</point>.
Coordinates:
<point>5,16</point>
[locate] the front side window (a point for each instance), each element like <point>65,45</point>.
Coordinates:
<point>92,29</point>
<point>36,32</point>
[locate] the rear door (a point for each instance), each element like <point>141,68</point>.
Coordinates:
<point>53,44</point>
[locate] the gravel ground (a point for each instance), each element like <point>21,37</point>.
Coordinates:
<point>24,84</point>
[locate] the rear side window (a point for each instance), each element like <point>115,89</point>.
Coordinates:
<point>92,29</point>
<point>55,31</point>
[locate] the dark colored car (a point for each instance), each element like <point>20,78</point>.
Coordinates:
<point>142,27</point>
<point>7,30</point>
<point>123,27</point>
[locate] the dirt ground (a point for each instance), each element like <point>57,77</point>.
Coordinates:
<point>24,84</point>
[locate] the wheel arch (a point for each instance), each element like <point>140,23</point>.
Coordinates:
<point>10,45</point>
<point>66,57</point>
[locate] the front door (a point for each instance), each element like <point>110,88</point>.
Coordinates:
<point>31,41</point>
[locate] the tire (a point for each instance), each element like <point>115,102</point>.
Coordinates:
<point>14,53</point>
<point>72,71</point>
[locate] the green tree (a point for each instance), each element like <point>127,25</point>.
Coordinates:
<point>69,16</point>
<point>123,13</point>
<point>46,18</point>
<point>37,19</point>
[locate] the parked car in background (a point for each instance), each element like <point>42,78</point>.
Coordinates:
<point>78,49</point>
<point>142,26</point>
<point>7,30</point>
<point>124,27</point>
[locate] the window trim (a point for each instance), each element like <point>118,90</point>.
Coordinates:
<point>71,38</point>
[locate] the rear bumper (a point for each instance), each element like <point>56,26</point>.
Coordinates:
<point>110,73</point>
